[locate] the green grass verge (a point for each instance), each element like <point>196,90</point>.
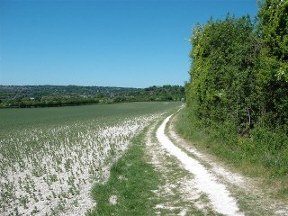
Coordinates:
<point>132,180</point>
<point>263,154</point>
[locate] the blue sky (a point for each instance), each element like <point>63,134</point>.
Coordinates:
<point>129,43</point>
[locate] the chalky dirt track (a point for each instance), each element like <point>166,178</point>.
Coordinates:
<point>196,184</point>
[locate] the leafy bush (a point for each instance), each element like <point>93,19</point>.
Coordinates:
<point>238,89</point>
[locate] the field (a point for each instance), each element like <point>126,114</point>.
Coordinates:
<point>51,157</point>
<point>120,159</point>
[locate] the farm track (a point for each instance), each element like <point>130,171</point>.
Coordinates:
<point>194,183</point>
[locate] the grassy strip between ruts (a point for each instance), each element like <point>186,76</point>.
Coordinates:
<point>129,188</point>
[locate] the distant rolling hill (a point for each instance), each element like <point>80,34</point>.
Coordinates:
<point>57,95</point>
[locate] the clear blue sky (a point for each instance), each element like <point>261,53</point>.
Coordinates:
<point>129,43</point>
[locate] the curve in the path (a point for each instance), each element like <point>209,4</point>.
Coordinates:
<point>206,182</point>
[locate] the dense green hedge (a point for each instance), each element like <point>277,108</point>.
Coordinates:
<point>240,69</point>
<point>237,96</point>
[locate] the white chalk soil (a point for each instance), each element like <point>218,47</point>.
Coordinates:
<point>194,183</point>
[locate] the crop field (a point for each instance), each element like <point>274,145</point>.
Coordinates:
<point>51,157</point>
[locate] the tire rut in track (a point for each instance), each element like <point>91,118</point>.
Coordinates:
<point>218,195</point>
<point>177,194</point>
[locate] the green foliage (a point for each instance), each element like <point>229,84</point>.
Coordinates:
<point>240,72</point>
<point>238,90</point>
<point>273,26</point>
<point>272,76</point>
<point>225,54</point>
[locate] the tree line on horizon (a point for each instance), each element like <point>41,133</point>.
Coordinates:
<point>53,96</point>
